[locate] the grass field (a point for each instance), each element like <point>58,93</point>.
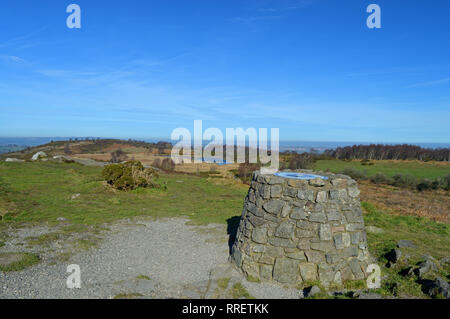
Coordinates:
<point>41,192</point>
<point>421,170</point>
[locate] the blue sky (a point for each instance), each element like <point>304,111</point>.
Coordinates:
<point>139,69</point>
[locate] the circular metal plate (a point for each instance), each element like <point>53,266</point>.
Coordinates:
<point>293,175</point>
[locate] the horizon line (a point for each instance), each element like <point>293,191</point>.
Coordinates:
<point>166,139</point>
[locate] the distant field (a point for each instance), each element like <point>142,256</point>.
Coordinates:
<point>430,170</point>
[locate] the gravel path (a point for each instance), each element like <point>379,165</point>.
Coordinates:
<point>171,259</point>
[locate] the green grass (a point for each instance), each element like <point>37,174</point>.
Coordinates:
<point>253,279</point>
<point>431,238</point>
<point>64,256</point>
<point>131,295</point>
<point>3,238</point>
<point>222,283</point>
<point>239,291</point>
<point>355,284</point>
<point>27,260</point>
<point>86,244</point>
<point>421,170</point>
<point>143,277</point>
<point>42,192</point>
<point>44,239</point>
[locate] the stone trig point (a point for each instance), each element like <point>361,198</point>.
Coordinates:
<point>299,227</point>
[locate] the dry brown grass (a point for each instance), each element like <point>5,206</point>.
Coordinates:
<point>431,204</point>
<point>222,170</point>
<point>144,158</point>
<point>6,207</point>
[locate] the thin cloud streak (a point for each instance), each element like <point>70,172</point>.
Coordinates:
<point>255,18</point>
<point>430,83</point>
<point>21,41</point>
<point>12,58</point>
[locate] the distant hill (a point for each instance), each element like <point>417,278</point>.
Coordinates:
<point>87,147</point>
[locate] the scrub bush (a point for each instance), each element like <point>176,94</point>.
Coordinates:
<point>129,176</point>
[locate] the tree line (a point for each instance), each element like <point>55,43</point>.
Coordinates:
<point>389,152</point>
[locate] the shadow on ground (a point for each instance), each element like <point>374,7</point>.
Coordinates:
<point>232,227</point>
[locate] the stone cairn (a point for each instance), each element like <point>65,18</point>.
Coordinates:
<point>297,231</point>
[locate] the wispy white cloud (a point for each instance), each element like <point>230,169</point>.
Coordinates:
<point>16,59</point>
<point>255,18</point>
<point>268,10</point>
<point>12,58</point>
<point>289,5</point>
<point>430,83</point>
<point>21,41</point>
<point>58,73</point>
<point>274,10</point>
<point>148,62</point>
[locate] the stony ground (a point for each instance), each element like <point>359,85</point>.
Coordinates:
<point>139,259</point>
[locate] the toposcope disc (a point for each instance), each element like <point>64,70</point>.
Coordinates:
<point>293,175</point>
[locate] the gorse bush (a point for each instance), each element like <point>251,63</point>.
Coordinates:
<point>366,162</point>
<point>444,182</point>
<point>398,180</point>
<point>427,184</point>
<point>402,180</point>
<point>129,176</point>
<point>380,178</point>
<point>405,181</point>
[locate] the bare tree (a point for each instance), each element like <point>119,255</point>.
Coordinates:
<point>389,152</point>
<point>301,161</point>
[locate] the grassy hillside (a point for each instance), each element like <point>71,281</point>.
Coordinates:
<point>100,147</point>
<point>421,170</point>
